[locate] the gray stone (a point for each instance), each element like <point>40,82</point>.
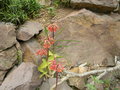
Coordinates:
<point>112,78</point>
<point>45,2</point>
<point>19,52</point>
<point>25,77</point>
<point>30,48</point>
<point>96,5</point>
<point>78,82</point>
<point>8,58</point>
<point>28,30</point>
<point>51,81</point>
<point>7,35</point>
<point>2,75</point>
<point>88,37</point>
<point>115,16</point>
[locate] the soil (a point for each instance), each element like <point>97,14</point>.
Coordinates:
<point>45,18</point>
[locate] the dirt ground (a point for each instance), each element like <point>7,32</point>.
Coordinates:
<point>45,18</point>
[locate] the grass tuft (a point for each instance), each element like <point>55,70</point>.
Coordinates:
<point>18,11</point>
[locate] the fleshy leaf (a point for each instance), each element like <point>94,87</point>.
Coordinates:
<point>57,56</point>
<point>43,65</point>
<point>50,53</point>
<point>51,58</point>
<point>44,73</point>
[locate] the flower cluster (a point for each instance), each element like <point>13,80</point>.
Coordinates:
<point>48,41</point>
<point>56,66</point>
<point>41,52</point>
<point>52,27</point>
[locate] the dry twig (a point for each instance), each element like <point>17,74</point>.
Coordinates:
<point>72,74</point>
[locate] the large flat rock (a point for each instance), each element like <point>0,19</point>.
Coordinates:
<point>88,37</point>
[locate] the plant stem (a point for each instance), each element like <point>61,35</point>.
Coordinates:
<point>56,80</point>
<point>53,35</point>
<point>51,2</point>
<point>47,50</point>
<point>47,55</point>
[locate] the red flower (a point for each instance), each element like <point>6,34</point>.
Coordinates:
<point>51,40</point>
<point>56,67</point>
<point>52,27</point>
<point>46,44</point>
<point>60,68</point>
<point>41,52</point>
<point>53,62</point>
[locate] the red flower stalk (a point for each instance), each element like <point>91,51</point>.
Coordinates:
<point>52,27</point>
<point>56,67</point>
<point>41,52</point>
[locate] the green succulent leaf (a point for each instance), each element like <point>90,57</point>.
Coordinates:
<point>51,58</point>
<point>43,65</point>
<point>57,56</point>
<point>50,53</point>
<point>44,73</point>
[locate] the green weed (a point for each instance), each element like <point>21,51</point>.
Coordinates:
<point>18,11</point>
<point>51,11</point>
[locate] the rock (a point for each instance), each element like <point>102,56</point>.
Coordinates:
<point>2,75</point>
<point>28,30</point>
<point>44,2</point>
<point>77,81</point>
<point>112,79</point>
<point>88,37</point>
<point>115,16</point>
<point>7,35</point>
<point>19,52</point>
<point>30,48</point>
<point>96,5</point>
<point>25,77</point>
<point>51,81</point>
<point>8,58</point>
